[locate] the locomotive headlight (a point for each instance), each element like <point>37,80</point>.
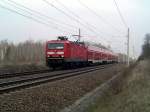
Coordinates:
<point>50,52</point>
<point>60,52</point>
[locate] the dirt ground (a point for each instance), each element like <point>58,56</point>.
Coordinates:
<point>52,97</point>
<point>134,96</point>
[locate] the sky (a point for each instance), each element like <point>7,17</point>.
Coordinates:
<point>98,20</point>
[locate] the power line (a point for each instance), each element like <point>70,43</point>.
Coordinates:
<point>128,36</point>
<point>126,26</point>
<point>63,12</point>
<point>50,4</point>
<point>100,17</point>
<point>72,18</point>
<point>120,14</point>
<point>75,15</point>
<point>71,12</point>
<point>40,14</point>
<point>29,17</point>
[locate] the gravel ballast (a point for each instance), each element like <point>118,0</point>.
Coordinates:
<point>21,68</point>
<point>54,96</point>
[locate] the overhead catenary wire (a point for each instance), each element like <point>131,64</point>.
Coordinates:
<point>128,35</point>
<point>99,16</point>
<point>63,12</point>
<point>31,11</point>
<point>23,10</point>
<point>72,18</point>
<point>28,9</point>
<point>43,22</point>
<point>60,10</point>
<point>29,17</point>
<point>75,15</point>
<point>71,12</point>
<point>120,14</point>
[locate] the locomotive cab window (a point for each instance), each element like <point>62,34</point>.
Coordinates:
<point>55,46</point>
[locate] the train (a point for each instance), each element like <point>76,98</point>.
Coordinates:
<point>65,53</point>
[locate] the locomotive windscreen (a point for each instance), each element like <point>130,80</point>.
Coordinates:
<point>55,46</point>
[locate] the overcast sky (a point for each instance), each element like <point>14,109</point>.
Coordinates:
<point>103,25</point>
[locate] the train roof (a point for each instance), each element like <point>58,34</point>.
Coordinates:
<point>65,41</point>
<point>98,49</point>
<point>58,41</point>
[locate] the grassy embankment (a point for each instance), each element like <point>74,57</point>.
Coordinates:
<point>134,96</point>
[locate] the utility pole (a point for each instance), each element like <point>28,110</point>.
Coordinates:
<point>128,45</point>
<point>79,35</point>
<point>133,53</point>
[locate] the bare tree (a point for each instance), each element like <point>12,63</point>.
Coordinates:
<point>27,52</point>
<point>146,47</point>
<point>3,50</point>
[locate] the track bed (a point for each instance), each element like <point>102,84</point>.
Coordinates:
<point>53,96</point>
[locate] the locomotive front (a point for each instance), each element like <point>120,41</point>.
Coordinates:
<point>55,52</point>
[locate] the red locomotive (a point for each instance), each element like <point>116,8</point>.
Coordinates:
<point>62,52</point>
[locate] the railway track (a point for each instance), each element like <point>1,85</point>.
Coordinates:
<point>20,81</point>
<point>9,75</point>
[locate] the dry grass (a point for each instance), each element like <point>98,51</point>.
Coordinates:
<point>134,96</point>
